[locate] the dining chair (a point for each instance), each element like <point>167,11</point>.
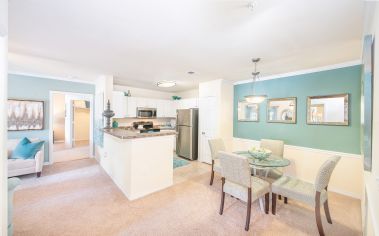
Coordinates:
<point>277,149</point>
<point>311,194</point>
<point>216,145</point>
<point>238,182</point>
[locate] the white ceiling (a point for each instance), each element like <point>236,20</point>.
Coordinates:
<point>142,42</point>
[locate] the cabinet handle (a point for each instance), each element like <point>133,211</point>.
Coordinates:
<point>202,132</point>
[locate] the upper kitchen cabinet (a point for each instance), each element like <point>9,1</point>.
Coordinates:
<point>166,108</point>
<point>132,107</point>
<point>119,104</point>
<point>147,102</point>
<point>187,103</point>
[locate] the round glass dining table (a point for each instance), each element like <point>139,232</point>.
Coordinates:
<point>266,164</point>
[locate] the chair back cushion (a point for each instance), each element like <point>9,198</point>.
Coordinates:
<point>325,172</point>
<point>275,146</point>
<point>25,149</point>
<point>216,145</point>
<point>235,168</point>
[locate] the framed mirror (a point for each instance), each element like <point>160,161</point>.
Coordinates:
<point>281,110</point>
<point>248,111</point>
<point>328,110</point>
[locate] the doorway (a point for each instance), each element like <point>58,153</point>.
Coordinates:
<point>71,123</point>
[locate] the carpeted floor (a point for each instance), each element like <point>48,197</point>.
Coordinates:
<point>78,198</point>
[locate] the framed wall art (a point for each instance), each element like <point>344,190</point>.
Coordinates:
<point>25,115</point>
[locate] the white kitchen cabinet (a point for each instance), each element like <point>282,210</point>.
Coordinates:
<point>187,103</point>
<point>131,107</point>
<point>161,108</point>
<point>151,103</point>
<point>119,104</point>
<point>166,108</point>
<point>141,102</point>
<point>170,108</point>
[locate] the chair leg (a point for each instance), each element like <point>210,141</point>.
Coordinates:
<point>318,214</point>
<point>267,202</point>
<point>212,176</point>
<point>273,204</point>
<point>248,209</point>
<point>222,196</point>
<point>279,197</point>
<point>327,213</point>
<point>38,174</point>
<point>285,200</point>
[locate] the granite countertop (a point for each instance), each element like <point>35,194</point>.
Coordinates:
<point>131,134</point>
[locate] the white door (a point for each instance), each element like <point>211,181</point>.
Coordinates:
<point>207,126</point>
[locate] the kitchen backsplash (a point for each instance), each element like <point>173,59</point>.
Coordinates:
<point>157,121</point>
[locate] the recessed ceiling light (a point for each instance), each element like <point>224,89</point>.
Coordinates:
<point>166,84</point>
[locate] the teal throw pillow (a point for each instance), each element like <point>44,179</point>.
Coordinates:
<point>25,149</point>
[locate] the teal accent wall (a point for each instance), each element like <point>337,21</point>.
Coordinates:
<point>334,138</point>
<point>35,88</point>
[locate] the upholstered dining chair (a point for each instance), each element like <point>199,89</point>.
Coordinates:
<point>277,149</point>
<point>312,194</point>
<point>216,145</point>
<point>238,182</point>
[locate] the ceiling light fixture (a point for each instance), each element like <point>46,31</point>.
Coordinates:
<point>251,5</point>
<point>166,84</point>
<point>255,98</point>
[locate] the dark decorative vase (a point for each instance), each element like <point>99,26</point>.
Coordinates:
<point>108,114</point>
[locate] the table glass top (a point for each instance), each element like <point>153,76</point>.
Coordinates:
<point>272,161</point>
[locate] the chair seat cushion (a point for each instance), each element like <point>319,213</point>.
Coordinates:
<point>217,166</point>
<point>259,187</point>
<point>297,189</point>
<point>15,164</point>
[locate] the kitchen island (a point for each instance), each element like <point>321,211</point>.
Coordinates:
<point>138,163</point>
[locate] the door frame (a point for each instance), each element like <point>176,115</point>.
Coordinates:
<point>78,96</point>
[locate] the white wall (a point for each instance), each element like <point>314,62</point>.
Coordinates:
<point>371,207</point>
<point>3,110</point>
<point>104,91</point>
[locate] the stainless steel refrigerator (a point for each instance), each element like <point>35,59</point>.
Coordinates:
<point>187,128</point>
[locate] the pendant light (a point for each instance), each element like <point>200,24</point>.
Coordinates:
<point>253,98</point>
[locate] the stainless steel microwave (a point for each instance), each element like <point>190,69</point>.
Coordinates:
<point>143,112</point>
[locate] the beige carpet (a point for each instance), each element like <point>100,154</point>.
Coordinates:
<point>78,198</point>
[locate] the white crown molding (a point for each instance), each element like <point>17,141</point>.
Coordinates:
<point>51,77</point>
<point>302,72</point>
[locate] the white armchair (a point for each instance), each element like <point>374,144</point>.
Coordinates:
<point>18,167</point>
